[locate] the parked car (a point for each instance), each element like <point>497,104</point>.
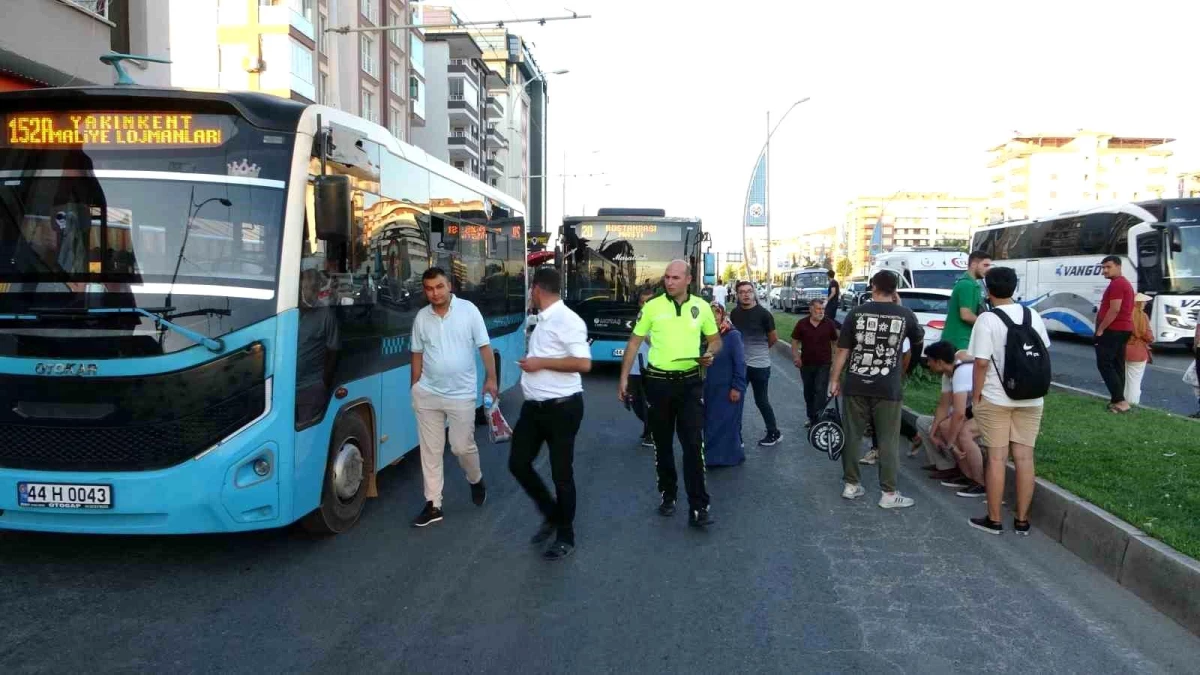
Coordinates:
<point>773,298</point>
<point>929,304</point>
<point>854,293</point>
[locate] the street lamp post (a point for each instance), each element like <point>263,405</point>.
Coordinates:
<point>767,206</point>
<point>542,77</point>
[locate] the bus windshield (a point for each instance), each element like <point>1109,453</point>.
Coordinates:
<point>190,220</point>
<point>1183,266</point>
<point>616,267</point>
<point>811,280</point>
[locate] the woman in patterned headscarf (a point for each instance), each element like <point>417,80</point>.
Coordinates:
<point>724,397</point>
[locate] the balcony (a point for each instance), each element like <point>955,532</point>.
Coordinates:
<point>283,15</point>
<point>463,147</point>
<point>495,139</point>
<point>495,169</point>
<point>460,109</point>
<point>463,71</point>
<point>495,109</point>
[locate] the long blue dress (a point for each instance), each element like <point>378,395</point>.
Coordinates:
<point>722,431</point>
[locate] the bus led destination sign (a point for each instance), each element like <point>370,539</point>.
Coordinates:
<point>116,130</point>
<point>630,231</point>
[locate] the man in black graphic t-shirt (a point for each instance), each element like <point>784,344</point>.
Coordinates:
<point>871,342</point>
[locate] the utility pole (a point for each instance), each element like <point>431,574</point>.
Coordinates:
<point>767,195</point>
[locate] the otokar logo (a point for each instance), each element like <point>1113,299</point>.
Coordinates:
<point>1078,270</point>
<point>66,369</point>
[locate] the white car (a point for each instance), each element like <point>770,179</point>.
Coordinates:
<point>773,297</point>
<point>929,304</point>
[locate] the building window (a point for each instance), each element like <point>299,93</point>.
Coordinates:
<point>367,108</point>
<point>396,123</point>
<point>302,7</point>
<point>302,61</point>
<point>369,9</point>
<point>460,165</point>
<point>367,54</point>
<point>97,7</point>
<point>396,37</point>
<point>414,89</point>
<point>322,36</point>
<point>395,78</point>
<point>323,89</point>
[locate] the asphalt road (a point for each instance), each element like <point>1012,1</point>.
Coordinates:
<point>1074,362</point>
<point>792,578</point>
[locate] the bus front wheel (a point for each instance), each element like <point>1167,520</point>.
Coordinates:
<point>344,490</point>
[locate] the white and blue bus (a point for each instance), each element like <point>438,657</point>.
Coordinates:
<point>206,302</point>
<point>608,259</point>
<point>1057,258</point>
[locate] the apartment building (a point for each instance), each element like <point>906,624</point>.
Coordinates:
<point>1041,173</point>
<point>916,219</point>
<point>58,43</point>
<point>283,47</point>
<point>457,106</point>
<point>1189,185</point>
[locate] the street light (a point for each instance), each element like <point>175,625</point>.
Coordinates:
<point>540,76</point>
<point>767,210</point>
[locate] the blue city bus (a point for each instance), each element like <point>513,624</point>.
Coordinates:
<point>206,302</point>
<point>609,258</point>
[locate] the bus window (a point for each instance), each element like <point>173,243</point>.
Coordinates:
<point>1149,261</point>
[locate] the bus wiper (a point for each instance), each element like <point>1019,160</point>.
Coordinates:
<point>215,345</point>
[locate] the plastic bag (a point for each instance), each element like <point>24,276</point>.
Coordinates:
<point>1189,375</point>
<point>498,429</point>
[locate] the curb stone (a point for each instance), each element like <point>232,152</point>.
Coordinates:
<point>1158,574</point>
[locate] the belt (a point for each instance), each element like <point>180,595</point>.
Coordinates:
<point>555,401</point>
<point>659,374</point>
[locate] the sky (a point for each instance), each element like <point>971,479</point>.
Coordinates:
<point>668,99</point>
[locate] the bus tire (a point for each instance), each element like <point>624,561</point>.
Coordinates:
<point>347,473</point>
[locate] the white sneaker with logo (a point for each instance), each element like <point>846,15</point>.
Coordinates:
<point>895,500</point>
<point>870,458</point>
<point>852,491</point>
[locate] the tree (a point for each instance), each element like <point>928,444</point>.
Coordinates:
<point>731,272</point>
<point>844,268</point>
<point>956,244</point>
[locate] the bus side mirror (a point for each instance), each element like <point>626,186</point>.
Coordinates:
<point>331,199</point>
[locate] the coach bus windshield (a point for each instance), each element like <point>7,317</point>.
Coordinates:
<point>184,223</point>
<point>614,263</point>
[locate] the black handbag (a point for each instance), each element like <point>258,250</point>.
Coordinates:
<point>827,435</point>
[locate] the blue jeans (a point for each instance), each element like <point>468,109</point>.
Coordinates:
<point>759,377</point>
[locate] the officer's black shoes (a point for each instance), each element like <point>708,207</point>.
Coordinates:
<point>428,515</point>
<point>543,533</point>
<point>700,517</point>
<point>558,550</point>
<point>771,438</point>
<point>667,507</point>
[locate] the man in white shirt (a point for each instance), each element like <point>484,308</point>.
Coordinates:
<point>637,388</point>
<point>720,292</point>
<point>446,335</point>
<point>1004,422</point>
<point>953,430</point>
<point>553,410</point>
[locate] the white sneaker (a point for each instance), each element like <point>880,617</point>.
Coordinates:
<point>853,491</point>
<point>870,458</point>
<point>895,500</point>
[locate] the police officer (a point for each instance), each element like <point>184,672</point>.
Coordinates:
<point>675,321</point>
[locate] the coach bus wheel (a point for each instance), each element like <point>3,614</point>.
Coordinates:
<point>344,491</point>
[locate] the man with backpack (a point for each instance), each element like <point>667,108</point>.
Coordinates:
<point>1012,374</point>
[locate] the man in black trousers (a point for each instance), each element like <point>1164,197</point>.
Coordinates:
<point>553,410</point>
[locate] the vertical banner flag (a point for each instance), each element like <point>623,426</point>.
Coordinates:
<point>877,237</point>
<point>756,197</point>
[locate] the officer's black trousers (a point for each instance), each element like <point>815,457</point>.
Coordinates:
<point>676,406</point>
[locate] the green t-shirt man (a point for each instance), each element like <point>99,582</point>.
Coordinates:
<point>966,294</point>
<point>675,330</point>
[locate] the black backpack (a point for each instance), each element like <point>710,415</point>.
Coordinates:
<point>1026,359</point>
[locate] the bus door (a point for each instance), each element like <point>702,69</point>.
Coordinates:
<point>1146,254</point>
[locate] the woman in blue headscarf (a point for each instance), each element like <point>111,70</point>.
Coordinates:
<point>724,396</point>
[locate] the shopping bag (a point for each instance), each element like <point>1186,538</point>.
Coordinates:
<point>827,435</point>
<point>498,429</point>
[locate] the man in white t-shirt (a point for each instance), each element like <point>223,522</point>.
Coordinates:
<point>720,292</point>
<point>953,425</point>
<point>1005,423</point>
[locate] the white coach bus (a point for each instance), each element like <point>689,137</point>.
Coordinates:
<point>1057,258</point>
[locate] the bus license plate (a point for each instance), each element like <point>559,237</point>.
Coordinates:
<point>618,352</point>
<point>64,496</point>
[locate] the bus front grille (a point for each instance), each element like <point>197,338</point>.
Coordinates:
<point>128,424</point>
